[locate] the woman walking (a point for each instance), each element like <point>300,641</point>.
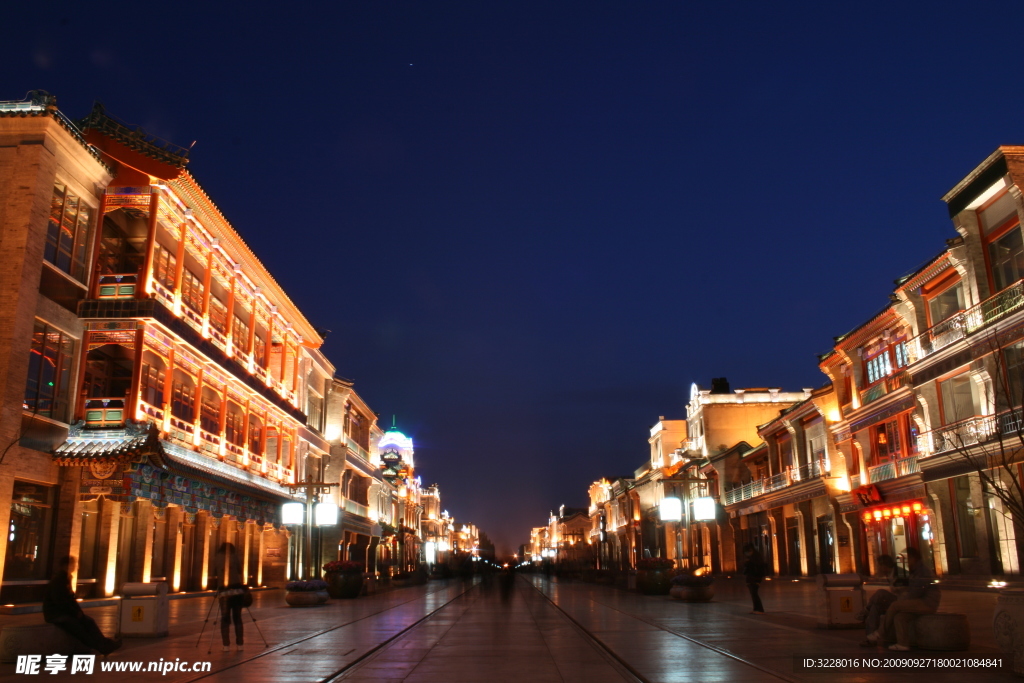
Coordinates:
<point>755,570</point>
<point>231,595</point>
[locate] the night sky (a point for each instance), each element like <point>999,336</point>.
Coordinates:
<point>530,226</point>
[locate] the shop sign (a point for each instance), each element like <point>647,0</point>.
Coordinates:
<point>868,495</point>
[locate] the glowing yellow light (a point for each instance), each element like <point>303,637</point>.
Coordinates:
<point>917,507</point>
<point>878,514</point>
<point>834,415</point>
<point>867,516</point>
<point>906,509</point>
<point>887,513</point>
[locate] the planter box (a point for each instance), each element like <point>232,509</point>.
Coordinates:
<point>306,598</point>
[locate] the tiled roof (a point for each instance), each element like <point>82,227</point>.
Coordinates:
<point>134,137</point>
<point>85,446</point>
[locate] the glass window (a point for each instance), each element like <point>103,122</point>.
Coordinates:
<point>183,397</point>
<point>879,366</point>
<point>209,411</point>
<point>255,435</point>
<point>218,315</point>
<point>946,304</point>
<point>900,351</point>
<point>192,290</point>
<point>957,399</point>
<point>29,532</point>
<point>234,425</point>
<point>165,265</point>
<point>68,232</point>
<point>1006,257</point>
<point>1011,389</point>
<point>887,443</point>
<point>152,383</point>
<point>239,335</point>
<point>49,372</point>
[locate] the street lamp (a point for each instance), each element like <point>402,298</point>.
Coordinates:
<point>671,510</point>
<point>310,513</point>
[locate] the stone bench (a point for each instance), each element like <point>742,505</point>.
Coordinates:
<point>37,639</point>
<point>940,631</point>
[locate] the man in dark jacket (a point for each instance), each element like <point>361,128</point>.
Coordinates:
<point>61,609</point>
<point>755,570</point>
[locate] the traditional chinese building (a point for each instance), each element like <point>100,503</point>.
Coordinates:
<point>173,389</point>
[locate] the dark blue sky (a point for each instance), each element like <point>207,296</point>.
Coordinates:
<point>530,226</point>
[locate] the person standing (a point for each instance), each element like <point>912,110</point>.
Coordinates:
<point>231,595</point>
<point>755,570</point>
<point>61,609</point>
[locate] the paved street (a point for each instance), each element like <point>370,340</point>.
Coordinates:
<point>540,631</point>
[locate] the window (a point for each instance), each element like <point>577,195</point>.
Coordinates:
<point>218,315</point>
<point>183,397</point>
<point>49,372</point>
<point>946,304</point>
<point>29,532</point>
<point>1010,391</point>
<point>255,435</point>
<point>259,351</point>
<point>192,290</point>
<point>957,399</point>
<point>314,402</point>
<point>165,265</point>
<point>878,367</point>
<point>900,351</point>
<point>152,381</point>
<point>209,411</point>
<point>886,441</point>
<point>239,335</point>
<point>68,232</point>
<point>234,425</point>
<point>1006,258</point>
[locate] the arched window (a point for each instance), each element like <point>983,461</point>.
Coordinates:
<point>183,397</point>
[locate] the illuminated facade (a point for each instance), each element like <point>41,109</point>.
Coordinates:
<point>171,384</point>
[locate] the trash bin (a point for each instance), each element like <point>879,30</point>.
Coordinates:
<point>842,597</point>
<point>144,610</point>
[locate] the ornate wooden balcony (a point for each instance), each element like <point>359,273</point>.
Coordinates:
<point>118,286</point>
<point>104,412</point>
<point>893,469</point>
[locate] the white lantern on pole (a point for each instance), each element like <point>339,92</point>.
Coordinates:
<point>292,513</point>
<point>704,509</point>
<point>326,514</point>
<point>671,510</point>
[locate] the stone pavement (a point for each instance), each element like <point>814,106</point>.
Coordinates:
<point>541,631</point>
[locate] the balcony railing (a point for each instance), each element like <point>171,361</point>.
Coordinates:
<point>792,475</point>
<point>119,286</point>
<point>893,469</point>
<point>104,412</point>
<point>356,448</point>
<point>355,508</point>
<point>967,322</point>
<point>972,431</point>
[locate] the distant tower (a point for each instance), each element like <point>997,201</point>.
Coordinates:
<point>396,454</point>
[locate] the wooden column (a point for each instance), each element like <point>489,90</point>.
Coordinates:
<point>172,549</point>
<point>142,560</point>
<point>201,557</point>
<point>107,542</point>
<point>132,403</point>
<point>207,281</point>
<point>97,237</point>
<point>147,266</point>
<point>269,346</point>
<point>179,266</point>
<point>244,548</point>
<point>79,411</point>
<point>229,334</point>
<point>169,384</point>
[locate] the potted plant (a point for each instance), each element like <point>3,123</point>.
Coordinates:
<point>696,586</point>
<point>652,575</point>
<point>306,593</point>
<point>344,578</point>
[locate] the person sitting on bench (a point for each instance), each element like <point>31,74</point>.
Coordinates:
<point>61,609</point>
<point>921,596</point>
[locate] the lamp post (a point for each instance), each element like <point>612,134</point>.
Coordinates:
<point>312,489</point>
